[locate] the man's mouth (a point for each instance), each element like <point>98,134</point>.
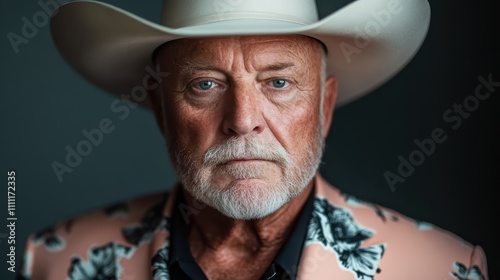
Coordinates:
<point>243,160</point>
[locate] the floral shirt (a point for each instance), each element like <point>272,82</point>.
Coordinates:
<point>346,239</point>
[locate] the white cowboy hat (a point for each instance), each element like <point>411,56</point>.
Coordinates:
<point>368,41</point>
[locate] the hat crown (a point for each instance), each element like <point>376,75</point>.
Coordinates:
<point>183,13</point>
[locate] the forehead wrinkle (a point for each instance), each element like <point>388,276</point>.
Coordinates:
<point>188,66</point>
<point>211,54</point>
<point>233,54</point>
<point>278,66</point>
<point>291,49</point>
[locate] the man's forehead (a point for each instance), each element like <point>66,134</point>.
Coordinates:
<point>221,47</point>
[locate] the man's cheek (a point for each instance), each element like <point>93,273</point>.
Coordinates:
<point>303,119</point>
<point>198,136</point>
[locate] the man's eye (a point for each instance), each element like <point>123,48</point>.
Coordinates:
<point>205,84</point>
<point>279,83</point>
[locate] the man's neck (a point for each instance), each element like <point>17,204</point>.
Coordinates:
<point>218,241</point>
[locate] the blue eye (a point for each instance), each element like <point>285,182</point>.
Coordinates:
<point>205,84</point>
<point>279,83</point>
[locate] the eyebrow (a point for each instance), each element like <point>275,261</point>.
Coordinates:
<point>278,66</point>
<point>188,66</point>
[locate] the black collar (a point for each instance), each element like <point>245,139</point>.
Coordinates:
<point>183,266</point>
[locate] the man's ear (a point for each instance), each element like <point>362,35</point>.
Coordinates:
<point>329,102</point>
<point>157,107</point>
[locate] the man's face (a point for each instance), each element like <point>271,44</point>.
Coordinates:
<point>243,119</point>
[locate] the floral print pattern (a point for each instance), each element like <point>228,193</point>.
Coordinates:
<point>461,272</point>
<point>152,221</point>
<point>159,263</point>
<point>421,225</point>
<point>50,240</point>
<point>335,229</point>
<point>102,263</point>
<point>117,210</point>
<point>102,245</point>
<point>381,213</point>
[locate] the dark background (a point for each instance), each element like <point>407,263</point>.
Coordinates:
<point>45,105</point>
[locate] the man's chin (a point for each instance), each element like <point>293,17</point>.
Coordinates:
<point>244,184</point>
<point>249,213</point>
<point>246,199</point>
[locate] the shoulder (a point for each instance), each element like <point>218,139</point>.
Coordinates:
<point>398,240</point>
<point>116,230</point>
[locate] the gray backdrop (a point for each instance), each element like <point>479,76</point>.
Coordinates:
<point>45,106</point>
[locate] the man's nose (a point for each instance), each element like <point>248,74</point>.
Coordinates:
<point>243,111</point>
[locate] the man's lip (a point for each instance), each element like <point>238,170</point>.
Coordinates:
<point>244,160</point>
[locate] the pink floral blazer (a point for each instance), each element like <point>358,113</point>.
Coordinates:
<point>346,239</point>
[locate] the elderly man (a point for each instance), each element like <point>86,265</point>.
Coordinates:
<point>245,97</point>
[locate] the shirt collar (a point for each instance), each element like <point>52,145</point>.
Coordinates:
<point>289,255</point>
<point>181,263</point>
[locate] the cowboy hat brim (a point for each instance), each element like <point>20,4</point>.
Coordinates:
<point>368,42</point>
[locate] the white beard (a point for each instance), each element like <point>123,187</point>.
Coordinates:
<point>241,201</point>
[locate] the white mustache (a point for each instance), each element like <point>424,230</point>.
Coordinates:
<point>245,148</point>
